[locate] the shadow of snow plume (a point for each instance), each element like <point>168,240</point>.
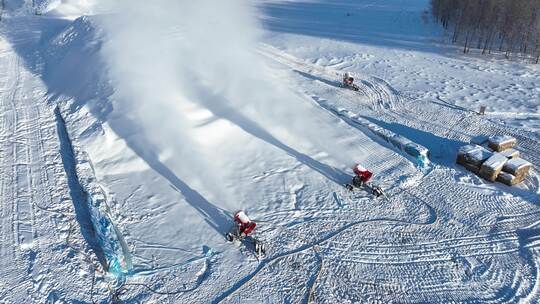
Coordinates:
<point>166,57</point>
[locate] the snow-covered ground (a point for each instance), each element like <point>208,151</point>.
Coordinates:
<point>391,40</point>
<point>120,174</point>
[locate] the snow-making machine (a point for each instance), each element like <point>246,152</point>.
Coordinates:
<point>361,179</point>
<point>348,82</point>
<point>242,230</point>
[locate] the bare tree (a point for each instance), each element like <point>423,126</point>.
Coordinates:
<point>513,25</point>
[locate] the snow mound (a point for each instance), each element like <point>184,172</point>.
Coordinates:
<point>64,8</point>
<point>110,240</point>
<point>74,68</point>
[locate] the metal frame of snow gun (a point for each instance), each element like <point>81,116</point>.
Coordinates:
<point>241,231</point>
<point>361,181</point>
<point>348,82</point>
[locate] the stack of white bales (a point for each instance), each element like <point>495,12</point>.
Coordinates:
<point>495,160</point>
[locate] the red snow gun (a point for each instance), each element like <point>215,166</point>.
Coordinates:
<point>243,227</point>
<point>362,173</point>
<point>348,82</point>
<point>361,179</point>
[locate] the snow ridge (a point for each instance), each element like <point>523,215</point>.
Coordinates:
<point>93,212</point>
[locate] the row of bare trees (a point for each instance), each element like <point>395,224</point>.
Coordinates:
<point>509,26</point>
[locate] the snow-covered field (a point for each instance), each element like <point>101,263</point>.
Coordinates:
<point>128,141</point>
<point>390,40</point>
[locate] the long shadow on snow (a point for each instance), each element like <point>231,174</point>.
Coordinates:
<point>438,146</point>
<point>78,195</point>
<point>217,104</point>
<point>442,153</point>
<point>215,216</point>
<point>90,72</point>
<point>26,33</point>
<point>434,143</point>
<point>386,24</point>
<point>335,83</point>
<point>74,72</point>
<point>77,74</point>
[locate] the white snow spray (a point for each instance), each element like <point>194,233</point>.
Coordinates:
<point>163,53</point>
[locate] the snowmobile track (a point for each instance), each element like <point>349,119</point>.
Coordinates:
<point>268,261</point>
<point>445,124</point>
<point>35,219</point>
<point>499,244</point>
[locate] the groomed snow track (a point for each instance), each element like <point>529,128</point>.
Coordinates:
<point>311,246</point>
<point>40,241</point>
<point>486,245</point>
<point>441,236</point>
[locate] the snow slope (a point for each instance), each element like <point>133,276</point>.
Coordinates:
<point>98,205</point>
<point>390,40</point>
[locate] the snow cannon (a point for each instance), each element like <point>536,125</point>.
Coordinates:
<point>348,81</point>
<point>242,230</point>
<point>245,225</point>
<point>362,175</point>
<point>361,179</point>
<point>348,78</point>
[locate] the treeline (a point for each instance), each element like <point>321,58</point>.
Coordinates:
<point>509,26</point>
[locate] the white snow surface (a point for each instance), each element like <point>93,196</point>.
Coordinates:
<point>390,41</point>
<point>120,175</point>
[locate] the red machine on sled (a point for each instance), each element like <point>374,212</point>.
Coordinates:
<point>348,82</point>
<point>241,231</point>
<point>361,181</point>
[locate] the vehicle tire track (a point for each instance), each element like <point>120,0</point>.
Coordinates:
<point>450,125</point>
<point>267,262</point>
<point>36,262</point>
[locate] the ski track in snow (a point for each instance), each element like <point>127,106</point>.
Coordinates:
<point>267,261</point>
<point>40,240</point>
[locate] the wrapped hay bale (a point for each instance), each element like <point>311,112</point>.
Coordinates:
<point>509,179</point>
<point>501,143</point>
<point>472,155</point>
<point>479,140</point>
<point>491,168</point>
<point>510,153</point>
<point>473,168</point>
<point>464,151</point>
<point>518,167</point>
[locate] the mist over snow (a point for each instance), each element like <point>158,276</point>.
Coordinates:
<point>167,58</point>
<point>131,132</point>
